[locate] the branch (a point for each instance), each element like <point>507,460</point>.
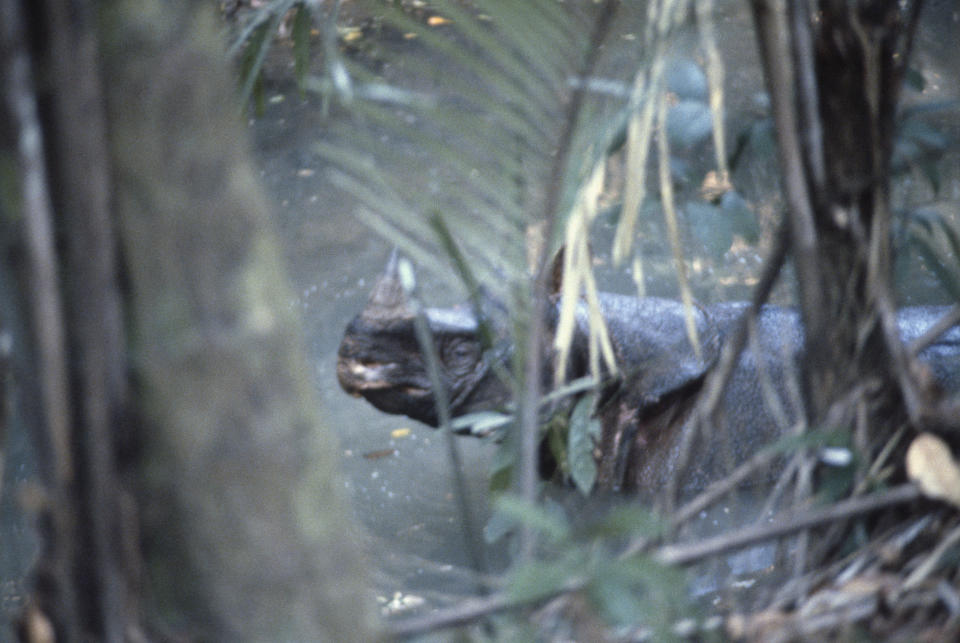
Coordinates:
<point>533,367</point>
<point>431,358</point>
<point>932,334</point>
<point>786,523</point>
<point>473,609</point>
<point>719,377</point>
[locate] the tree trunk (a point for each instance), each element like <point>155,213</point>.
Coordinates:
<point>208,505</point>
<point>834,71</point>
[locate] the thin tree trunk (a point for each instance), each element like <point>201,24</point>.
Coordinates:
<point>834,71</point>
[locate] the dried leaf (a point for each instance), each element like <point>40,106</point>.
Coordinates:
<point>932,467</point>
<point>380,453</point>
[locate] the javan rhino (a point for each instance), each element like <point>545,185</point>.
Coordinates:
<point>646,409</point>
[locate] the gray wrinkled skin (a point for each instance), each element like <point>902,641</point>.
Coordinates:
<point>645,411</point>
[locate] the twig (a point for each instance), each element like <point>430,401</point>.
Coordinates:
<point>441,397</point>
<point>932,334</point>
<point>721,487</point>
<point>719,377</point>
<point>473,609</point>
<point>708,496</point>
<point>46,308</point>
<point>929,564</point>
<point>890,544</point>
<point>786,524</point>
<point>528,449</point>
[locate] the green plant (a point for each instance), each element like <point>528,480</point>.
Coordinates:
<point>257,32</point>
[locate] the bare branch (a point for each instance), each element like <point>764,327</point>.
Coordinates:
<point>786,524</point>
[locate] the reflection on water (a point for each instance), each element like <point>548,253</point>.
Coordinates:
<point>395,468</point>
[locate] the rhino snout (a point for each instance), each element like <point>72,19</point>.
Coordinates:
<point>356,376</point>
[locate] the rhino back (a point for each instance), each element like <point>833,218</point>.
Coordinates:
<point>943,356</point>
<point>652,345</point>
<point>749,417</point>
<point>745,420</point>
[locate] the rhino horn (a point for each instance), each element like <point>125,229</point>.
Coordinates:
<point>388,299</point>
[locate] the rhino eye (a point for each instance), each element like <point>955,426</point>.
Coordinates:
<point>460,355</point>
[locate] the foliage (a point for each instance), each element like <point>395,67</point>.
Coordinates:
<point>256,35</point>
<point>505,160</point>
<point>627,590</point>
<point>510,171</point>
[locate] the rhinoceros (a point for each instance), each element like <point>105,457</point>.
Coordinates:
<point>646,409</point>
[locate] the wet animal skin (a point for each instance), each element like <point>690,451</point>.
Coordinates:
<point>645,410</point>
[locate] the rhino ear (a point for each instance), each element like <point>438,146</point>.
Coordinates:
<point>651,338</point>
<point>388,298</point>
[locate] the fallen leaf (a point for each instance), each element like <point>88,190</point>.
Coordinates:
<point>436,21</point>
<point>932,467</point>
<point>400,433</point>
<point>715,184</point>
<point>381,453</point>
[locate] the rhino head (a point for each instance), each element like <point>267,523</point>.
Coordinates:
<point>380,358</point>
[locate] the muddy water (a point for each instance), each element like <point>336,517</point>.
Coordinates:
<point>396,469</point>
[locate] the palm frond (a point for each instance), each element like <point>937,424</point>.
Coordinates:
<point>478,113</point>
<point>499,76</point>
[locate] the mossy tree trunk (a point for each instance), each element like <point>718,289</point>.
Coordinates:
<point>205,501</point>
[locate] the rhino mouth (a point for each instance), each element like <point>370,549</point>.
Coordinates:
<point>359,378</point>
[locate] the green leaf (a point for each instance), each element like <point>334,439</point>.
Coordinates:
<point>938,243</point>
<point>501,469</point>
<point>914,79</point>
<point>557,442</point>
<point>482,423</point>
<point>627,520</point>
<point>551,524</point>
<point>619,602</point>
<point>252,61</point>
<point>572,387</point>
<point>537,580</point>
<point>813,438</point>
<point>835,482</point>
<point>640,590</point>
<point>584,429</point>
